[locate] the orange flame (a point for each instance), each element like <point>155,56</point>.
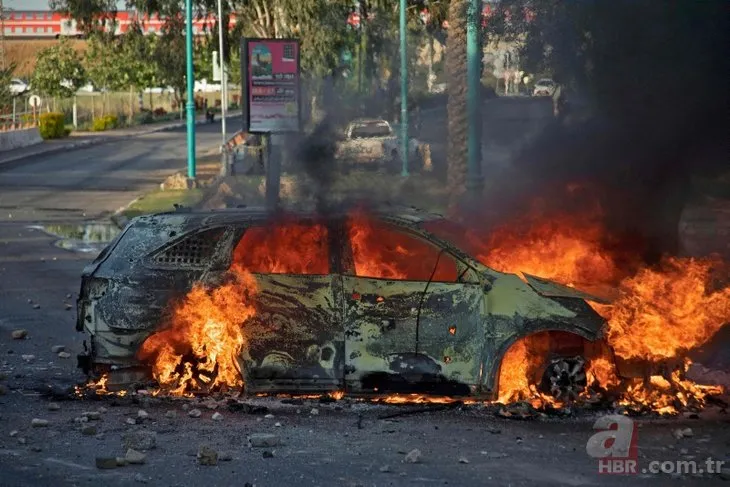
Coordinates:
<point>200,347</point>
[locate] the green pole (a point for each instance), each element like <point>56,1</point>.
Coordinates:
<point>190,82</point>
<point>474,178</point>
<point>403,89</point>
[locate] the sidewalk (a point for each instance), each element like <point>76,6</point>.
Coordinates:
<point>79,140</point>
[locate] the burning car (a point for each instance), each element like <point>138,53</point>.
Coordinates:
<point>354,301</point>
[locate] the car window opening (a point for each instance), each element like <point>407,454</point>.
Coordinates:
<point>370,130</point>
<point>284,248</point>
<point>382,252</point>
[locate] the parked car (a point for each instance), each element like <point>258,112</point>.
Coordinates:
<point>372,142</point>
<point>18,86</point>
<point>362,302</point>
<point>544,87</point>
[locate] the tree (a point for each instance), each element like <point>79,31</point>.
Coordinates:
<point>136,56</point>
<point>458,123</point>
<point>91,15</point>
<point>169,55</point>
<point>6,96</point>
<point>105,65</point>
<point>58,71</point>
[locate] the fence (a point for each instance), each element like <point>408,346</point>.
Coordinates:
<point>82,109</point>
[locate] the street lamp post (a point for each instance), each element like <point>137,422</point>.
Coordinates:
<point>474,178</point>
<point>190,82</point>
<point>403,89</point>
<point>224,84</point>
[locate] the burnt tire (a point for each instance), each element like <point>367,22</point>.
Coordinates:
<point>565,378</point>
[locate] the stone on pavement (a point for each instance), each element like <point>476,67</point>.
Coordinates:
<point>105,463</point>
<point>207,455</point>
<point>135,457</point>
<point>64,355</point>
<point>58,348</point>
<point>194,413</point>
<point>140,440</point>
<point>53,406</point>
<point>263,440</point>
<point>89,430</point>
<point>413,456</point>
<point>217,417</point>
<point>19,334</point>
<point>39,423</point>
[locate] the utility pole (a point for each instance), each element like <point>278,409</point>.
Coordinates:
<point>190,82</point>
<point>474,178</point>
<point>403,89</point>
<point>224,84</point>
<point>2,35</point>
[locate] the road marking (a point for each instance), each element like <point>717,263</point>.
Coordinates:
<point>68,464</point>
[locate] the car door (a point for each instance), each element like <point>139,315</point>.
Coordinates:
<point>412,313</point>
<point>295,340</point>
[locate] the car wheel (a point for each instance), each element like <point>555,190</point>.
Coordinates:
<point>565,378</point>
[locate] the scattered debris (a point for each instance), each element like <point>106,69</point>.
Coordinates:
<point>53,406</point>
<point>426,409</point>
<point>138,477</point>
<point>19,334</point>
<point>142,414</point>
<point>217,417</point>
<point>463,460</point>
<point>81,419</point>
<point>36,306</point>
<point>268,454</point>
<point>494,455</point>
<point>134,457</point>
<point>194,413</point>
<point>518,410</point>
<point>496,431</point>
<point>269,416</point>
<point>263,440</point>
<point>89,430</point>
<point>131,421</point>
<point>171,414</point>
<point>680,433</point>
<point>92,415</point>
<point>58,348</point>
<point>225,457</point>
<point>238,406</point>
<point>385,468</point>
<point>68,296</point>
<point>140,440</point>
<point>68,307</point>
<point>39,423</point>
<point>106,463</point>
<point>28,358</point>
<point>293,401</point>
<point>413,456</point>
<point>314,412</point>
<point>14,433</point>
<point>64,355</point>
<point>207,455</point>
<point>277,425</point>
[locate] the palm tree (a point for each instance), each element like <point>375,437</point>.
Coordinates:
<point>457,150</point>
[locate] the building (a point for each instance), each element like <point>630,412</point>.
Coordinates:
<point>46,24</point>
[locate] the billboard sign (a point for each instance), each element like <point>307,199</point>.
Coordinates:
<point>270,70</point>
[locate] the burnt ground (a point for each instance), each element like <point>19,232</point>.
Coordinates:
<point>346,443</point>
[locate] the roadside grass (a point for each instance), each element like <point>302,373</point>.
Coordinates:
<point>208,167</point>
<point>161,201</point>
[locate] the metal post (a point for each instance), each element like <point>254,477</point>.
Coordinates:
<point>273,176</point>
<point>14,109</point>
<point>224,85</point>
<point>75,114</point>
<point>403,89</point>
<point>474,178</point>
<point>190,82</point>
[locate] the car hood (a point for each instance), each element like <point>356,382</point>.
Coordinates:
<point>552,289</point>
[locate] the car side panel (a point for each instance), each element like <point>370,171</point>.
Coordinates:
<point>295,340</point>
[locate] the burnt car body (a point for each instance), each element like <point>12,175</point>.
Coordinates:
<point>443,328</point>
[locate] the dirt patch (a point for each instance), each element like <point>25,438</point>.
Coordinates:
<point>24,52</point>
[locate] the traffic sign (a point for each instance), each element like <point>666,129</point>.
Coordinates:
<point>34,101</point>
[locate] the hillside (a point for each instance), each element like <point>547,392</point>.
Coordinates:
<point>23,52</point>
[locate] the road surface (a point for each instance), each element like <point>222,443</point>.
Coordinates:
<point>91,182</point>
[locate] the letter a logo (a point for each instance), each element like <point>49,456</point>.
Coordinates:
<point>616,438</point>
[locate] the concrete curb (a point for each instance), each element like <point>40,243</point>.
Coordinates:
<point>4,163</point>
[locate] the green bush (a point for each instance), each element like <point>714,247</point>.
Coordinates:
<point>143,118</point>
<point>52,125</point>
<point>107,122</point>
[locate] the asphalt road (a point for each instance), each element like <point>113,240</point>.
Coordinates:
<point>91,182</point>
<point>347,443</point>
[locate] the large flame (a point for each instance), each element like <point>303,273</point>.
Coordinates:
<point>199,349</point>
<point>661,312</point>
